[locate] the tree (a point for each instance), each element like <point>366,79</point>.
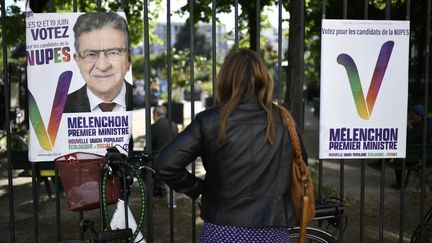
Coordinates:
<point>294,82</point>
<point>294,91</point>
<point>202,12</point>
<point>15,24</point>
<point>201,45</point>
<point>133,10</point>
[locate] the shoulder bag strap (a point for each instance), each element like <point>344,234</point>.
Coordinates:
<point>289,122</point>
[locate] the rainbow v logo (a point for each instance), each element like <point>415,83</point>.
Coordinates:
<point>363,110</point>
<point>46,138</point>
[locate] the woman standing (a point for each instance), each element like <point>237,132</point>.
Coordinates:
<point>247,154</point>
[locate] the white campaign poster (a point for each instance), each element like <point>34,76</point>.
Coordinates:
<point>53,75</point>
<point>364,89</point>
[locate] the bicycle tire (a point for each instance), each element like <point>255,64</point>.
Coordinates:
<point>312,235</point>
<point>17,143</point>
<point>427,229</point>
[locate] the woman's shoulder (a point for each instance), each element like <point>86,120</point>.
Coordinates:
<point>204,120</point>
<point>209,113</point>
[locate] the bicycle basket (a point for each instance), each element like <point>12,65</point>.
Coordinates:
<point>80,176</point>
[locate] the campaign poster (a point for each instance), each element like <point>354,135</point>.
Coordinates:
<point>66,86</point>
<point>364,89</point>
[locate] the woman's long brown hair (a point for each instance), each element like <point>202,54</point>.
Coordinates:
<point>244,73</point>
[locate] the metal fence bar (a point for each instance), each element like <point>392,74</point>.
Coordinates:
<point>35,177</point>
<point>320,178</point>
<point>35,202</point>
<point>279,60</point>
<point>363,162</point>
<point>323,9</point>
<point>388,10</point>
<point>75,6</point>
<point>342,162</point>
<point>192,65</point>
<point>345,9</point>
<point>320,161</point>
<point>362,199</point>
<point>341,185</point>
<point>51,6</point>
<point>301,64</point>
<point>57,202</point>
<point>381,207</point>
<point>148,137</point>
<point>426,102</point>
<point>258,24</point>
<point>402,202</point>
<point>192,99</point>
<point>169,75</point>
<point>213,52</point>
<point>383,167</point>
<point>7,129</point>
<point>236,34</point>
<point>403,169</point>
<point>169,63</point>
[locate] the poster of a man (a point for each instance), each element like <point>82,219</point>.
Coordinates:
<point>102,55</point>
<point>78,65</point>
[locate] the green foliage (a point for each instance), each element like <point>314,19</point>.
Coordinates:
<point>15,24</point>
<point>207,87</point>
<point>202,46</point>
<point>202,8</point>
<point>327,191</point>
<point>137,66</point>
<point>202,11</point>
<point>133,9</point>
<point>180,69</point>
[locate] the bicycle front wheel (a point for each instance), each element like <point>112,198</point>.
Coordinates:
<point>312,235</point>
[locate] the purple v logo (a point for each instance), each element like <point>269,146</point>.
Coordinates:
<point>365,106</point>
<point>47,138</point>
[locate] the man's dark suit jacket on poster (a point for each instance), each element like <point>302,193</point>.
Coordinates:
<point>78,101</point>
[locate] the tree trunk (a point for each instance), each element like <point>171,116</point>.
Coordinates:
<point>294,91</point>
<point>37,5</point>
<point>251,15</point>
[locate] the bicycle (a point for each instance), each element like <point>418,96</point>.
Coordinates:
<point>427,229</point>
<point>17,135</point>
<point>126,167</point>
<point>329,214</point>
<point>17,142</point>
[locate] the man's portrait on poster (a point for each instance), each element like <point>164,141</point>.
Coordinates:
<point>103,58</point>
